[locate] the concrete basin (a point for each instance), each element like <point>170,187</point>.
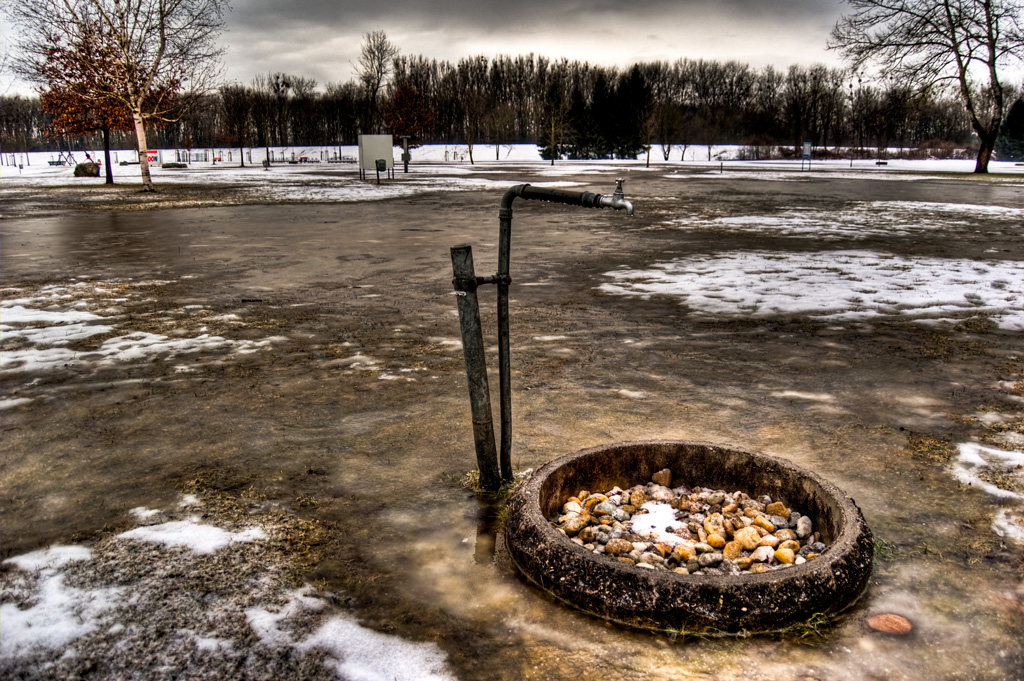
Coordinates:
<point>663,600</point>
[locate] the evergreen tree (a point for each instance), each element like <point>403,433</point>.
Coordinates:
<point>633,111</point>
<point>1010,146</point>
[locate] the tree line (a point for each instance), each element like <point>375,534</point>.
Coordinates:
<point>577,109</point>
<point>102,66</point>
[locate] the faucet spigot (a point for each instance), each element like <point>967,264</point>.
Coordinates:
<point>617,200</point>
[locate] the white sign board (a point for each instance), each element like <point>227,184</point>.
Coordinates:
<point>807,149</point>
<point>373,147</point>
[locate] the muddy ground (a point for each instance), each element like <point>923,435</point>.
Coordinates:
<point>356,418</point>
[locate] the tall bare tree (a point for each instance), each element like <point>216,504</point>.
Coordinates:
<point>928,42</point>
<point>237,102</point>
<point>165,52</point>
<point>376,58</point>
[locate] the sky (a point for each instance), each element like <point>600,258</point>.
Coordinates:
<point>321,40</point>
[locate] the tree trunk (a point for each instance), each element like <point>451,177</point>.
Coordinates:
<point>552,139</point>
<point>241,155</point>
<point>988,143</point>
<point>140,135</point>
<point>106,154</point>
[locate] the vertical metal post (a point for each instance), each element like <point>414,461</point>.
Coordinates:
<point>504,353</point>
<point>476,366</point>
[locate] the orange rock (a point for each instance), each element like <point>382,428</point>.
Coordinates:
<point>777,508</point>
<point>890,624</point>
<point>683,553</point>
<point>663,549</point>
<point>747,537</point>
<point>733,550</point>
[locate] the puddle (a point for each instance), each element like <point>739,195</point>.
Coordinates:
<point>345,477</point>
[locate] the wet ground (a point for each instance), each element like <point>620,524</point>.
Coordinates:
<point>333,390</point>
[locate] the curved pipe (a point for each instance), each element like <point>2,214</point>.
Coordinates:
<point>528,192</point>
<point>584,199</point>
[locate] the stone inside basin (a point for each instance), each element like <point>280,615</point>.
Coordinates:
<point>707,604</point>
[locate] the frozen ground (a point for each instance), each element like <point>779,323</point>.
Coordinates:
<point>44,333</point>
<point>63,603</point>
<point>294,372</point>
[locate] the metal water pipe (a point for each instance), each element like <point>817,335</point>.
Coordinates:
<point>495,468</point>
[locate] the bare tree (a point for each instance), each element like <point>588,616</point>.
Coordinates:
<point>263,111</point>
<point>471,79</point>
<point>165,52</point>
<point>5,68</point>
<point>237,102</point>
<point>929,42</point>
<point>376,59</point>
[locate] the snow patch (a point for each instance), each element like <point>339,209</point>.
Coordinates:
<point>193,535</point>
<point>11,402</point>
<point>633,394</point>
<point>833,285</point>
<point>1009,525</point>
<point>59,614</point>
<point>49,558</point>
<point>357,653</point>
<point>973,458</point>
<point>657,523</point>
<point>796,395</point>
<point>143,514</point>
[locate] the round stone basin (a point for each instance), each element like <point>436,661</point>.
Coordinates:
<point>706,604</point>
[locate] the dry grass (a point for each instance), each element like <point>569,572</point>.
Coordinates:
<point>935,450</point>
<point>298,543</point>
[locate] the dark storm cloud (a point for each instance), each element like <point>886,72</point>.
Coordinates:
<point>321,40</point>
